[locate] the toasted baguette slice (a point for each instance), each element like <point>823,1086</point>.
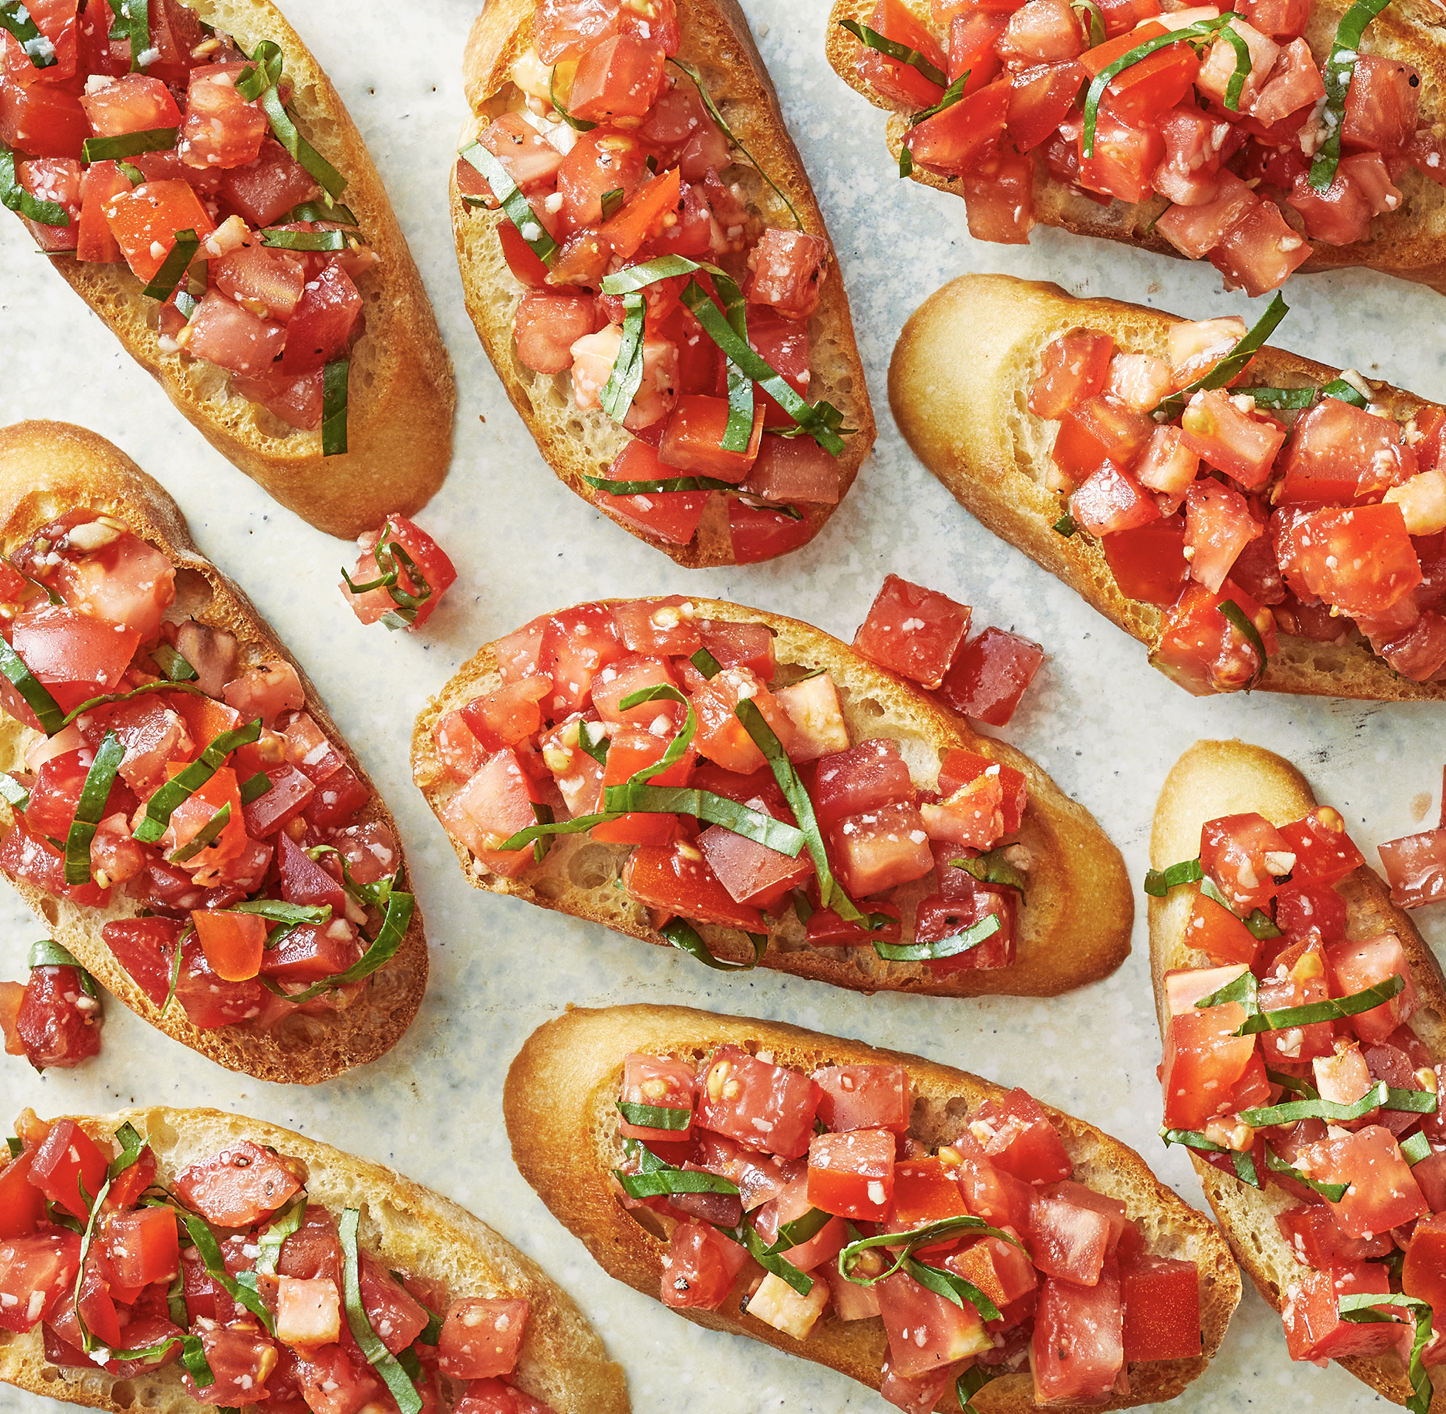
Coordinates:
<point>410,1228</point>
<point>994,460</point>
<point>401,393</point>
<point>559,1102</point>
<point>1409,243</point>
<point>1215,778</point>
<point>1073,929</point>
<point>716,39</point>
<point>47,468</point>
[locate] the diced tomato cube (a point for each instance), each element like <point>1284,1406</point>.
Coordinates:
<point>1259,250</point>
<point>676,879</point>
<point>852,1175</point>
<point>1068,1241</point>
<point>700,1267</point>
<point>1149,562</point>
<point>1018,1137</point>
<point>1204,651</point>
<point>1357,966</point>
<point>1099,431</point>
<point>913,631</point>
<point>958,139</point>
<point>66,1162</point>
<point>1077,1349</point>
<point>927,1332</point>
<point>1381,104</point>
<point>990,675</point>
<point>1358,559</point>
<point>1072,369</point>
<point>864,1097</point>
<point>757,1103</point>
<point>1161,1299</point>
<point>1324,852</point>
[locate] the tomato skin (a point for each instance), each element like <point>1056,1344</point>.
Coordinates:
<point>913,630</point>
<point>700,1267</point>
<point>1324,852</point>
<point>756,534</point>
<point>1219,934</point>
<point>66,1159</point>
<point>958,139</point>
<point>1094,433</point>
<point>1161,1300</point>
<point>1149,562</point>
<point>1202,650</point>
<point>1077,1349</point>
<point>667,877</point>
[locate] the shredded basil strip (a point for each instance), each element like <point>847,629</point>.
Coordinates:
<point>276,1233</point>
<point>107,698</point>
<point>892,49</point>
<point>911,1241</point>
<point>626,376</point>
<point>380,951</point>
<point>906,160</point>
<point>175,265</point>
<point>510,198</point>
<point>993,868</point>
<point>101,149</point>
<point>166,800</point>
<point>47,710</point>
<point>91,807</point>
<point>653,488</point>
<point>175,970</point>
<point>544,816</point>
<point>48,953</point>
<point>745,1236</point>
<point>1294,399</point>
<point>683,936</point>
<point>1331,1009</point>
<point>598,749</point>
<point>1374,1099</point>
<point>244,1294</point>
<point>1159,882</point>
<point>329,211</point>
<point>12,792</point>
<point>16,19</point>
<point>952,95</point>
<point>1229,367</point>
<point>665,1180</point>
<point>1241,620</point>
<point>1242,988</point>
<point>800,1230</point>
<point>172,663</point>
<point>1361,1308</point>
<point>1236,85</point>
<point>14,196</point>
<point>713,112</point>
<point>254,787</point>
<point>133,23</point>
<point>303,240</point>
<point>1097,37</point>
<point>376,895</point>
<point>258,83</point>
<point>276,911</point>
<point>378,1356</point>
<point>206,835</point>
<point>135,177</point>
<point>1064,526</point>
<point>392,557</point>
<point>971,1382</point>
<point>1337,73</point>
<point>952,1288</point>
<point>612,201</point>
<point>1416,1148</point>
<point>655,1116</point>
<point>333,407</point>
<point>1193,1139</point>
<point>951,946</point>
<point>1331,1192</point>
<point>1292,1084</point>
<point>87,1236</point>
<point>704,805</point>
<point>578,125</point>
<point>1260,927</point>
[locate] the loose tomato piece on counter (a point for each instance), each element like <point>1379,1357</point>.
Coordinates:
<point>434,574</point>
<point>914,631</point>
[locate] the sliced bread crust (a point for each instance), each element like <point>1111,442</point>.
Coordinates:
<point>559,1103</point>
<point>716,40</point>
<point>410,1228</point>
<point>47,468</point>
<point>994,459</point>
<point>402,396</point>
<point>1073,929</point>
<point>1215,778</point>
<point>1409,243</point>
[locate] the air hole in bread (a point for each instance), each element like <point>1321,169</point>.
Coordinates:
<point>592,867</point>
<point>193,594</point>
<point>868,707</point>
<point>648,1221</point>
<point>551,889</point>
<point>51,912</point>
<point>122,1395</point>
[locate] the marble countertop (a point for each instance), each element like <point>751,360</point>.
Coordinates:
<point>1098,718</point>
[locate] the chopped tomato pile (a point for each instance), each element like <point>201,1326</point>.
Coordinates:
<point>129,145</point>
<point>810,1172</point>
<point>596,696</point>
<point>174,780</point>
<point>1220,127</point>
<point>400,576</point>
<point>1291,1063</point>
<point>1239,517</point>
<point>56,1017</point>
<point>618,157</point>
<point>232,1270</point>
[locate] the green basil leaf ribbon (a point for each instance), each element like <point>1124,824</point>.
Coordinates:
<point>1331,1192</point>
<point>14,196</point>
<point>377,895</point>
<point>165,801</point>
<point>106,698</point>
<point>655,1116</point>
<point>377,1354</point>
<point>176,969</point>
<point>681,934</point>
<point>971,1382</point>
<point>1241,620</point>
<point>277,911</point>
<point>1294,399</point>
<point>1292,1084</point>
<point>324,210</point>
<point>578,125</point>
<point>254,787</point>
<point>135,177</point>
<point>15,19</point>
<point>1362,1307</point>
<point>911,1241</point>
<point>892,49</point>
<point>656,1179</point>
<point>102,149</point>
<point>91,807</point>
<point>696,79</point>
<point>1374,1098</point>
<point>801,1229</point>
<point>303,240</point>
<point>1063,526</point>
<point>1232,365</point>
<point>174,266</point>
<point>1193,1139</point>
<point>392,557</point>
<point>1331,1009</point>
<point>47,710</point>
<point>242,1293</point>
<point>132,1146</point>
<point>1159,882</point>
<point>745,1236</point>
<point>172,663</point>
<point>1415,1148</point>
<point>1340,67</point>
<point>952,95</point>
<point>258,83</point>
<point>276,1232</point>
<point>206,835</point>
<point>951,946</point>
<point>597,749</point>
<point>653,488</point>
<point>993,868</point>
<point>544,816</point>
<point>379,952</point>
<point>133,23</point>
<point>626,376</point>
<point>952,1288</point>
<point>333,407</point>
<point>1236,84</point>
<point>704,805</point>
<point>612,201</point>
<point>513,203</point>
<point>48,953</point>
<point>1096,21</point>
<point>12,792</point>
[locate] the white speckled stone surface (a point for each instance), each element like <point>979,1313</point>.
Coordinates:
<point>1105,725</point>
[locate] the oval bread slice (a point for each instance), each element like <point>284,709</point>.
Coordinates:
<point>1215,778</point>
<point>1074,927</point>
<point>408,1227</point>
<point>46,468</point>
<point>559,1101</point>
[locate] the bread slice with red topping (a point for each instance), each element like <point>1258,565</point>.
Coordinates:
<point>560,1102</point>
<point>1220,778</point>
<point>578,443</point>
<point>46,470</point>
<point>1073,926</point>
<point>996,461</point>
<point>411,1230</point>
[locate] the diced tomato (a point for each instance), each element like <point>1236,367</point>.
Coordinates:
<point>1302,908</point>
<point>1359,559</point>
<point>788,272</point>
<point>494,805</point>
<point>1280,19</point>
<point>144,947</point>
<point>1239,443</point>
<point>662,1083</point>
<point>1101,430</point>
<point>600,161</point>
<point>1149,562</point>
<point>956,140</point>
<point>1203,1062</point>
<point>1018,1137</point>
<point>94,242</point>
<point>864,1097</point>
<point>27,856</point>
<point>42,119</point>
<point>630,751</point>
<point>852,1175</point>
<point>752,873</point>
<point>1188,172</point>
<point>221,129</point>
<point>75,655</point>
<point>1218,525</point>
<point>826,929</point>
<point>1077,1349</point>
<point>238,1186</point>
<point>1331,447</point>
<point>990,675</point>
<point>67,1160</point>
<point>913,630</point>
<point>757,1103</point>
<point>1041,31</point>
<point>1382,1193</point>
<point>1196,230</point>
<point>1381,104</point>
<point>617,78</point>
<point>972,36</point>
<point>58,1023</point>
<point>721,736</point>
<point>1205,652</point>
<point>290,794</point>
<point>576,644</point>
<point>1258,250</point>
<point>1219,934</point>
<point>756,534</point>
<point>1072,370</point>
<point>321,327</point>
<point>232,942</point>
<point>700,1267</point>
<point>141,1247</point>
<point>1241,853</point>
<point>1314,1329</point>
<point>1415,867</point>
<point>266,190</point>
<point>1161,1299</point>
<point>1139,94</point>
<point>881,847</point>
<point>866,776</point>
<point>693,436</point>
<point>658,626</point>
<point>57,180</point>
<point>1068,1241</point>
<point>925,1331</point>
<point>670,515</point>
<point>1110,501</point>
<point>432,562</point>
<point>1357,966</point>
<point>1324,852</point>
<point>480,1337</point>
<point>960,767</point>
<point>894,20</point>
<point>44,1265</point>
<point>508,716</point>
<point>131,104</point>
<point>22,1204</point>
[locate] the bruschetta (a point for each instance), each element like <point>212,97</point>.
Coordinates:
<point>165,163</point>
<point>184,1259</point>
<point>1304,1057</point>
<point>1256,519</point>
<point>898,1220</point>
<point>744,787</point>
<point>178,807</point>
<point>1280,136</point>
<point>657,291</point>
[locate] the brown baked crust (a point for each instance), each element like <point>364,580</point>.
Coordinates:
<point>561,1117</point>
<point>47,468</point>
<point>1074,929</point>
<point>1409,243</point>
<point>1215,778</point>
<point>401,390</point>
<point>994,460</point>
<point>409,1227</point>
<point>716,39</point>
